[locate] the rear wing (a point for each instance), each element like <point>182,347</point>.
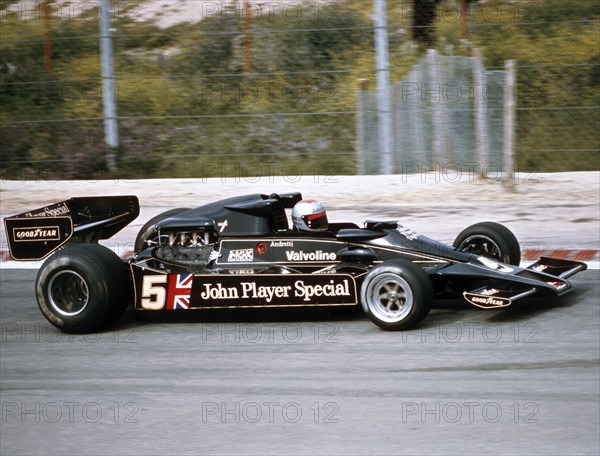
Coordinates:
<point>35,234</point>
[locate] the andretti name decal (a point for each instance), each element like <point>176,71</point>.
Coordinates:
<point>273,290</point>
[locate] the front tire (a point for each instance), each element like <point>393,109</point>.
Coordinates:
<point>396,295</point>
<point>82,288</point>
<point>491,240</point>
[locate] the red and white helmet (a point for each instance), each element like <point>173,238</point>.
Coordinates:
<point>309,215</point>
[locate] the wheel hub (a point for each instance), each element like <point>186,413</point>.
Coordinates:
<point>393,296</point>
<point>68,293</point>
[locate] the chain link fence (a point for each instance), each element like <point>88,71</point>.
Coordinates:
<point>448,113</point>
<point>234,88</point>
<point>197,93</point>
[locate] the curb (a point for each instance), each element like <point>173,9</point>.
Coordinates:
<point>562,254</point>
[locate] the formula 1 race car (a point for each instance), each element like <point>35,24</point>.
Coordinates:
<point>242,252</point>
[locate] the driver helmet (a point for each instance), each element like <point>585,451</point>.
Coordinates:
<point>309,215</point>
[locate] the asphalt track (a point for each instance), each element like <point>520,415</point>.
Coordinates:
<point>524,380</point>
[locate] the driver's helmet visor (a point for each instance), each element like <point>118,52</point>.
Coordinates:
<point>316,221</point>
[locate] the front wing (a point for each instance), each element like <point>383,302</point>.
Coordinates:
<point>487,288</point>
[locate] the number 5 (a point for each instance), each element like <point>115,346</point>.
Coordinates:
<point>153,296</point>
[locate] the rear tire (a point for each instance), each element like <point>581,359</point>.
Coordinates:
<point>149,232</point>
<point>491,240</point>
<point>82,287</point>
<point>396,295</point>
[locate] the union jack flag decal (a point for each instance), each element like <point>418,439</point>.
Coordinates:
<point>178,294</point>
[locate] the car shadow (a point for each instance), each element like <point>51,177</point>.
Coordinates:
<point>533,307</point>
<point>132,319</point>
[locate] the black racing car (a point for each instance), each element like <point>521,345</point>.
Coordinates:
<point>241,252</point>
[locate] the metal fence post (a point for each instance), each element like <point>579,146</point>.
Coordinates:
<point>435,87</point>
<point>111,134</point>
<point>481,124</point>
<point>509,122</point>
<point>384,98</point>
<point>361,126</point>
